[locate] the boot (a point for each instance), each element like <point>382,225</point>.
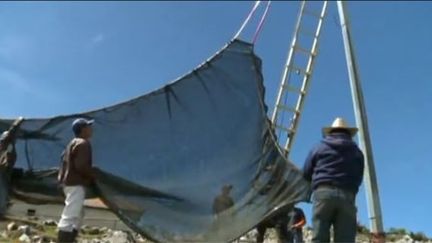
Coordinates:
<point>75,234</point>
<point>66,237</point>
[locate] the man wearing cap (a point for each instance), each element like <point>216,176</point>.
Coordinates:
<point>75,174</point>
<point>335,168</point>
<point>296,223</point>
<point>279,222</point>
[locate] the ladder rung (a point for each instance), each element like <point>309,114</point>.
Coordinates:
<point>290,88</point>
<point>289,131</point>
<point>300,70</point>
<point>308,33</point>
<point>317,15</point>
<point>282,128</point>
<point>289,109</point>
<point>304,50</point>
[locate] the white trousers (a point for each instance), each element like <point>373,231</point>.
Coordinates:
<point>73,212</point>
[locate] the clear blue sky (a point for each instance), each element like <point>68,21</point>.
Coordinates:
<point>64,57</point>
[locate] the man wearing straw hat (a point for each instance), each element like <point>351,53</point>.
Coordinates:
<point>335,169</point>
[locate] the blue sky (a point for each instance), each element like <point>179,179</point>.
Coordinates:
<point>65,57</point>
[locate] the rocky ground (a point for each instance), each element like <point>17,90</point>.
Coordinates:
<point>104,227</point>
<point>362,237</point>
<point>40,225</point>
<point>33,231</point>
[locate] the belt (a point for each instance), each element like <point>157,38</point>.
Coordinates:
<point>330,186</point>
<point>327,185</point>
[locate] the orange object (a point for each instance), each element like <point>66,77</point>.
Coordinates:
<point>299,224</point>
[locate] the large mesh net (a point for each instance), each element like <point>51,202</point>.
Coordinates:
<point>166,158</point>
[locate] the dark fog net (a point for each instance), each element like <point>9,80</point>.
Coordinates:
<point>165,157</point>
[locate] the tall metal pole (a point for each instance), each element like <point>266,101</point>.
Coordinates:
<point>372,194</point>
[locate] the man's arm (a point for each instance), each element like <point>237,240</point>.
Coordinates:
<point>82,157</point>
<point>14,127</point>
<point>298,213</point>
<point>363,162</point>
<point>309,165</point>
<point>362,165</point>
<point>11,133</point>
<point>299,224</point>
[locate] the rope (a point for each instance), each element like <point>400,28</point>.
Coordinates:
<point>251,13</point>
<point>261,23</point>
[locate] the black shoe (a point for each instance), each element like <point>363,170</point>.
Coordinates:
<point>66,237</point>
<point>75,234</point>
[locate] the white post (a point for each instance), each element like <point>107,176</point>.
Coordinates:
<point>372,195</point>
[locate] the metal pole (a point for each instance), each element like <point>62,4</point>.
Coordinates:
<point>372,195</point>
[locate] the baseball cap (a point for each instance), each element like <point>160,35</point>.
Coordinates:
<point>79,123</point>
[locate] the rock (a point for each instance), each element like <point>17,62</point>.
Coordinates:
<point>99,241</point>
<point>407,239</point>
<point>12,226</point>
<point>139,238</point>
<point>84,229</point>
<point>49,222</point>
<point>39,227</point>
<point>94,231</point>
<point>33,218</point>
<point>37,239</point>
<point>24,229</point>
<point>103,230</point>
<point>118,236</point>
<point>24,238</point>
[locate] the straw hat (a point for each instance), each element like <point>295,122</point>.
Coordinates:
<point>340,123</point>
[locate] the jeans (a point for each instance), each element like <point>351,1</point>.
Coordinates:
<point>334,207</point>
<point>280,224</point>
<point>4,192</point>
<point>297,235</point>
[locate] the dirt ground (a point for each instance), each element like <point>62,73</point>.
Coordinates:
<point>96,214</point>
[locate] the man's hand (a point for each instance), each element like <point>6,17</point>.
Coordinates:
<point>18,121</point>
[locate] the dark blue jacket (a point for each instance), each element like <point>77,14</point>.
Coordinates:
<point>337,161</point>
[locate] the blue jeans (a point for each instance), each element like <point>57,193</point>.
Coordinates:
<point>334,207</point>
<point>297,235</point>
<point>280,224</point>
<point>4,191</point>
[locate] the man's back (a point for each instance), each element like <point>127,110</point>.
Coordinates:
<point>335,168</point>
<point>336,161</point>
<point>77,163</point>
<point>222,203</point>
